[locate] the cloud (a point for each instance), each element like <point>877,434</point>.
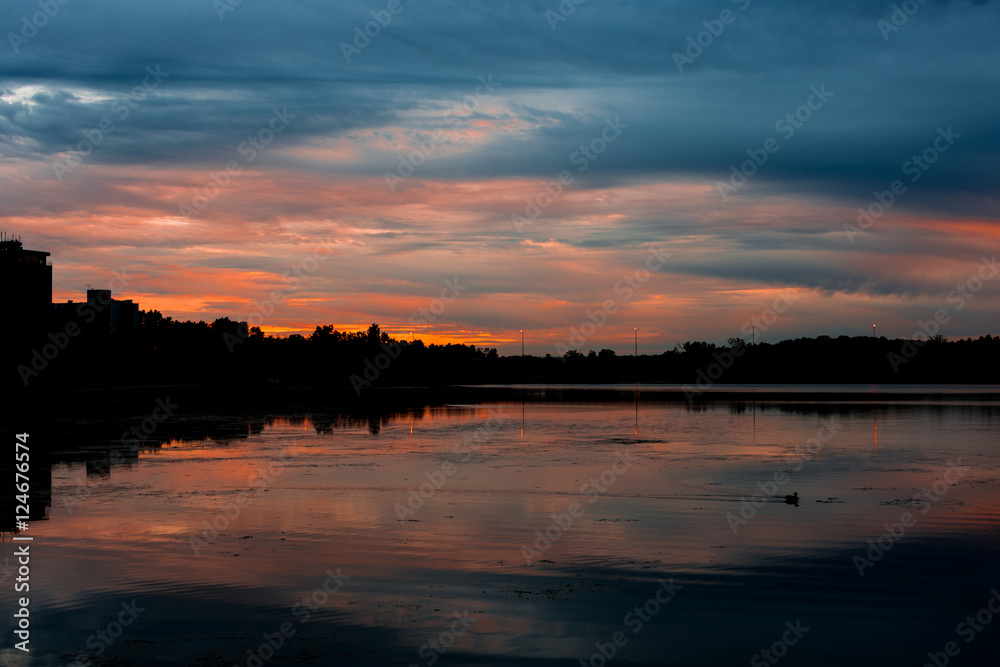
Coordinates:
<point>414,87</point>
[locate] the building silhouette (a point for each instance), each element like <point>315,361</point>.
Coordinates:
<point>118,316</point>
<point>26,283</point>
<point>100,314</point>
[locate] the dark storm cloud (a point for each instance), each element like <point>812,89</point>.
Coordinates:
<point>607,58</point>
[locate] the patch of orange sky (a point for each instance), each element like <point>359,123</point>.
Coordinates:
<point>392,250</point>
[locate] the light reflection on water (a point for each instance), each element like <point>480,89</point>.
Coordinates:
<point>336,487</point>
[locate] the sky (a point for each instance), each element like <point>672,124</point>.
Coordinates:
<point>468,170</point>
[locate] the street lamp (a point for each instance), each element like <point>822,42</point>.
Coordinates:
<point>522,342</point>
<point>635,331</point>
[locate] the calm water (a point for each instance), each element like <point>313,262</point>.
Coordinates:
<point>313,498</point>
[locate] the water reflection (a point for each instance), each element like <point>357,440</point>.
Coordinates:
<point>427,510</point>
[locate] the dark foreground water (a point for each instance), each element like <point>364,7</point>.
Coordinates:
<point>533,533</point>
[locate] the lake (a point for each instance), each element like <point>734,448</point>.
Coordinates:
<point>523,525</point>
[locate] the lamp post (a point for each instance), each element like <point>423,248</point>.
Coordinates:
<point>635,331</point>
<point>873,331</point>
<point>522,342</point>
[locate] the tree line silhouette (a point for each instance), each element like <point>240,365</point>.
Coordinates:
<point>165,351</point>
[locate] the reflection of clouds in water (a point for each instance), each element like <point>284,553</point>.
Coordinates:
<point>332,505</point>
